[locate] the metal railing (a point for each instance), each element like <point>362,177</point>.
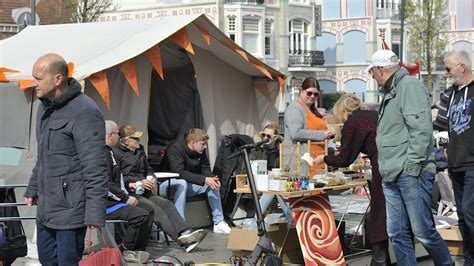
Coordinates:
<point>388,10</point>
<point>307,58</point>
<point>249,2</point>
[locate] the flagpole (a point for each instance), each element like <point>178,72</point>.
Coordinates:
<point>402,21</point>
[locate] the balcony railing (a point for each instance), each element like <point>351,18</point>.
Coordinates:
<point>305,58</point>
<point>249,2</point>
<point>388,10</point>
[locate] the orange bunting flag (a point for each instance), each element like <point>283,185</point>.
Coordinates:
<point>262,87</point>
<point>70,69</point>
<point>282,85</point>
<point>261,68</point>
<point>205,34</point>
<point>101,84</point>
<point>25,84</point>
<point>181,37</point>
<point>4,70</point>
<point>154,55</point>
<point>242,53</point>
<point>130,72</point>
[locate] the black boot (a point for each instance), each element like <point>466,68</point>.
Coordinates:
<point>380,256</point>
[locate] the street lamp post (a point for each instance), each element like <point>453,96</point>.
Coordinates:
<point>33,12</point>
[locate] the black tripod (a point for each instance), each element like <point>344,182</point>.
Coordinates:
<point>265,244</point>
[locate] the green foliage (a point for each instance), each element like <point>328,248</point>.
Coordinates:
<point>428,23</point>
<point>329,99</point>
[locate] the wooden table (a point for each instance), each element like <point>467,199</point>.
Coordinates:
<point>307,192</point>
<point>314,220</point>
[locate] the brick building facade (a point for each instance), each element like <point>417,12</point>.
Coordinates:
<point>48,12</point>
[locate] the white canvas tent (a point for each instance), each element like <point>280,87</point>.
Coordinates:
<point>235,95</point>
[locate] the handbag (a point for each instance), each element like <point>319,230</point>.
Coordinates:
<point>104,257</point>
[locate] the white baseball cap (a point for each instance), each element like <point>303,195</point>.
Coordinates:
<point>383,58</point>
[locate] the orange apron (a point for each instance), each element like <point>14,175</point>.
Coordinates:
<point>315,123</point>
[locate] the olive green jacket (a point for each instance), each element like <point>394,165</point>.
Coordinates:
<point>404,132</point>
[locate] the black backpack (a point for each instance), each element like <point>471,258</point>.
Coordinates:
<point>13,232</point>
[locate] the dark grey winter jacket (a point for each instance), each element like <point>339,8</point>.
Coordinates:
<point>70,178</point>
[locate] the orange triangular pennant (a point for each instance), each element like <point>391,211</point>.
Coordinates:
<point>262,69</point>
<point>25,84</point>
<point>154,55</point>
<point>101,84</point>
<point>3,70</point>
<point>282,85</point>
<point>70,69</point>
<point>130,72</point>
<point>205,34</point>
<point>262,87</point>
<point>242,53</point>
<point>181,37</point>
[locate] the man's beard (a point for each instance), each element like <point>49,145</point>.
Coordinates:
<point>453,81</point>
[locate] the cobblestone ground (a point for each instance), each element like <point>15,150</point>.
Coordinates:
<point>213,248</point>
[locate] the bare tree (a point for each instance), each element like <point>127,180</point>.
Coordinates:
<point>89,10</point>
<point>427,39</point>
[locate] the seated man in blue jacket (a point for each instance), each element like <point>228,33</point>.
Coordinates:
<point>188,157</point>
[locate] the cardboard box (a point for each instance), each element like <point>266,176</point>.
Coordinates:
<point>259,167</point>
<point>277,185</point>
<point>243,242</point>
<point>452,237</point>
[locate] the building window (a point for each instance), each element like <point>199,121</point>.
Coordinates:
<point>250,38</point>
<point>327,44</point>
<point>463,15</point>
<point>355,47</point>
<point>231,27</point>
<point>328,86</point>
<point>268,37</point>
<point>299,37</point>
<point>356,8</point>
<point>331,9</point>
<point>231,24</point>
<point>357,87</point>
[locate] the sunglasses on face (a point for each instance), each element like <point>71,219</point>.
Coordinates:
<point>134,138</point>
<point>310,93</point>
<point>448,69</point>
<point>267,136</point>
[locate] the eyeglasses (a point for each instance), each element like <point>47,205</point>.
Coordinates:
<point>310,93</point>
<point>371,71</point>
<point>134,138</point>
<point>267,136</point>
<point>448,69</point>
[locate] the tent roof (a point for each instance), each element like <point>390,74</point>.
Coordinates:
<point>93,47</point>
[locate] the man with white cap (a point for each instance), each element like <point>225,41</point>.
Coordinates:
<point>406,160</point>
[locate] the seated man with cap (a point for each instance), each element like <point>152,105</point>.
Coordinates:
<point>141,183</point>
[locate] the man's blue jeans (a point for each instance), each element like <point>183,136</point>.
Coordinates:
<point>180,189</point>
<point>463,186</point>
<point>60,247</point>
<point>408,202</point>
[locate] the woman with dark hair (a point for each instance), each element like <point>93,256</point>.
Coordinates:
<point>358,135</point>
<point>303,122</point>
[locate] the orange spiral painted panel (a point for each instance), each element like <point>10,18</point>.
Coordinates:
<point>317,230</point>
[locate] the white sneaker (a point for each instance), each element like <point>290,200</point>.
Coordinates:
<point>222,228</point>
